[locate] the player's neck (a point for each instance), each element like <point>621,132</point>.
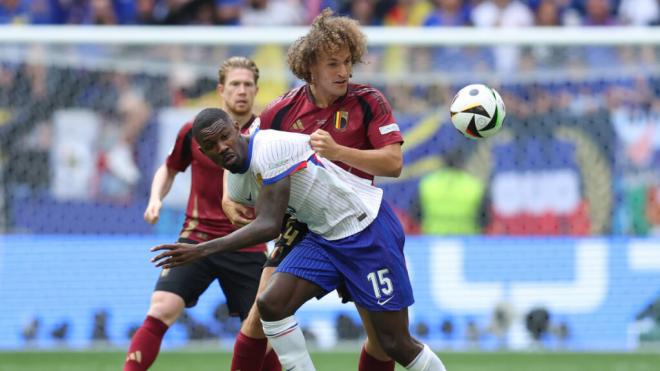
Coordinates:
<point>319,99</point>
<point>242,120</point>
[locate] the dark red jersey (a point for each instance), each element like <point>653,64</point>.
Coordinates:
<point>205,219</point>
<point>361,119</point>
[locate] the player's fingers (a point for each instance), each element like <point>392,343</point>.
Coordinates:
<point>167,246</point>
<point>316,144</point>
<point>241,222</point>
<point>151,216</point>
<point>166,264</point>
<point>242,210</point>
<point>166,258</point>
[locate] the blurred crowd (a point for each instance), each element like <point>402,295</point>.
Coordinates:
<point>479,13</point>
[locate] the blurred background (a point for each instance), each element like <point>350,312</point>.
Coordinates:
<point>544,236</point>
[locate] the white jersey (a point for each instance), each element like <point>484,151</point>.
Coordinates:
<point>331,201</point>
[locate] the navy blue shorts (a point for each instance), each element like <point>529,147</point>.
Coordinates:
<point>371,264</point>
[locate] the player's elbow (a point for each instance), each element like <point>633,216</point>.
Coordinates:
<point>271,230</point>
<point>395,168</point>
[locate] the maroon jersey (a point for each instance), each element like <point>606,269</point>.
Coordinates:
<point>205,219</point>
<point>361,119</point>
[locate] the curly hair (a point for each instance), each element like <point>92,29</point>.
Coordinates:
<point>237,62</point>
<point>328,34</point>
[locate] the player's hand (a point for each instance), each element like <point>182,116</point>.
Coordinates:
<point>323,144</point>
<point>176,254</point>
<point>152,213</point>
<point>239,215</point>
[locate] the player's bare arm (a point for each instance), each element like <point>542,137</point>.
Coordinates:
<point>160,187</point>
<point>271,206</point>
<point>385,161</point>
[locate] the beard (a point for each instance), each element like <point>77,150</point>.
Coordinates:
<point>235,110</point>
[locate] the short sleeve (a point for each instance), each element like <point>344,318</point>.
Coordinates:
<point>180,156</point>
<point>383,129</point>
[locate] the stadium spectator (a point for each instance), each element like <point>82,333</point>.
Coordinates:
<point>124,114</point>
<point>547,14</point>
<point>407,13</point>
<point>348,222</point>
<point>272,13</point>
<point>349,124</point>
<point>145,13</point>
<point>237,272</point>
<point>505,14</point>
<point>451,199</point>
<point>14,11</point>
<point>364,11</point>
<point>448,13</point>
<point>102,12</point>
<point>639,12</point>
<point>228,12</point>
<point>599,13</point>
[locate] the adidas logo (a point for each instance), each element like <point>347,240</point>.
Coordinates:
<point>135,356</point>
<point>298,125</point>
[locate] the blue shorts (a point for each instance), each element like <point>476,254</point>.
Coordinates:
<point>370,263</point>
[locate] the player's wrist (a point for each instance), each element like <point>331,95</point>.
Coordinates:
<point>206,248</point>
<point>342,153</point>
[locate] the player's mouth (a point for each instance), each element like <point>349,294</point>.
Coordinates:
<point>229,159</point>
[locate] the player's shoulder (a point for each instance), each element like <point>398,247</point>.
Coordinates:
<point>365,91</point>
<point>185,132</point>
<point>283,101</point>
<point>270,137</point>
<point>370,99</point>
<point>187,127</point>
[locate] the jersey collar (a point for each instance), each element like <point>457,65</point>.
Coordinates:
<point>248,160</point>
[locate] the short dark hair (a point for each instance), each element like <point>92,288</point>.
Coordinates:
<point>208,117</point>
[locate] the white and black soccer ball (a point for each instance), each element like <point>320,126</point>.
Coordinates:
<point>477,111</point>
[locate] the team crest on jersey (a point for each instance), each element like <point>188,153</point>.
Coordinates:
<point>298,125</point>
<point>341,120</point>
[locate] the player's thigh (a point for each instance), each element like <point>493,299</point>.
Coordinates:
<point>284,294</point>
<point>239,275</point>
<point>188,281</point>
<point>165,306</point>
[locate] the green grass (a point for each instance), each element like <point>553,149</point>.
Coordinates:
<point>219,361</point>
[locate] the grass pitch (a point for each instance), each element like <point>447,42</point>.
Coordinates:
<point>336,361</point>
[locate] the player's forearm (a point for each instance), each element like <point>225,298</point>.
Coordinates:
<point>225,193</point>
<point>386,161</point>
<point>257,232</point>
<point>162,182</point>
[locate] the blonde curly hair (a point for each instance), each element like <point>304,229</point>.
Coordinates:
<point>328,34</point>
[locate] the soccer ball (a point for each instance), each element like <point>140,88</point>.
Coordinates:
<point>477,111</point>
